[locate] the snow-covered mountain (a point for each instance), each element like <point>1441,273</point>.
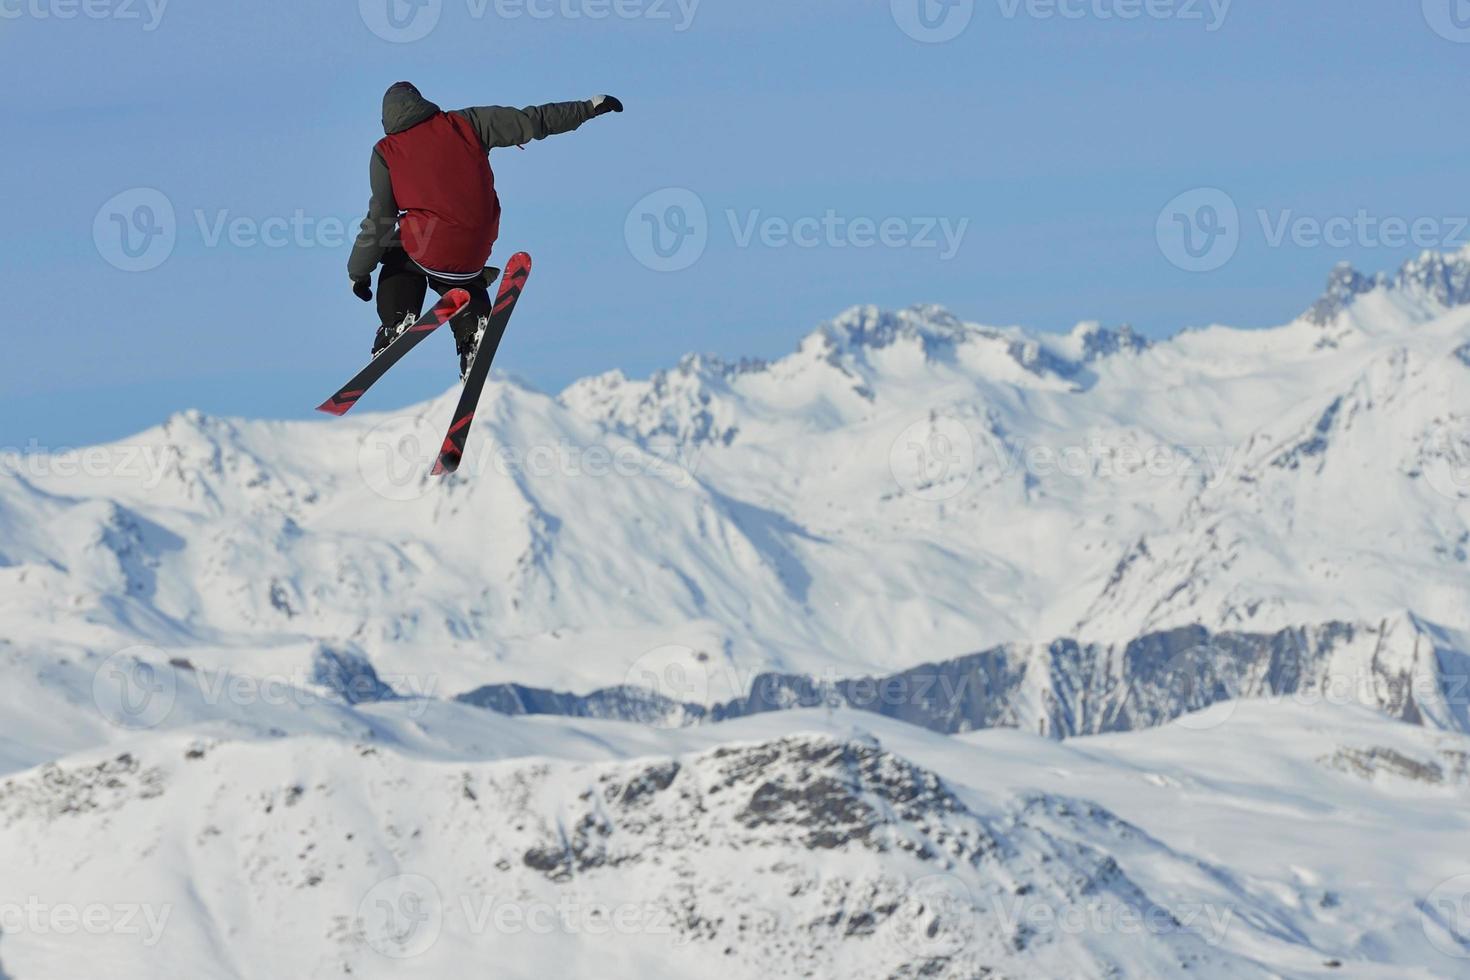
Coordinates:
<point>419,838</point>
<point>905,488</point>
<point>790,663</point>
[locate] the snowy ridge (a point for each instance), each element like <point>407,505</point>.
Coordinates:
<point>905,488</point>
<point>726,622</point>
<point>411,837</point>
<point>1434,282</point>
<point>1066,689</point>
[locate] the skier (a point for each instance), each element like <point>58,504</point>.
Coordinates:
<point>434,214</point>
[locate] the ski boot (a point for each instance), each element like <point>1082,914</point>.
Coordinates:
<point>467,342</point>
<point>391,332</point>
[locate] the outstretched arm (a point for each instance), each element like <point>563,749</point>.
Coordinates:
<point>499,126</point>
<point>377,228</point>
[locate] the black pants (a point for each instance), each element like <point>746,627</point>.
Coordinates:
<point>402,286</point>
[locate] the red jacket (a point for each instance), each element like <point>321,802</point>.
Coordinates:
<point>445,188</point>
<point>433,190</point>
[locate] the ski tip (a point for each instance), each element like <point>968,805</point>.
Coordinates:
<point>449,459</point>
<point>341,403</point>
<point>457,297</point>
<point>336,408</point>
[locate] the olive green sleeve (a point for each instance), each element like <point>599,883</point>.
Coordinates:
<point>499,126</point>
<point>378,228</point>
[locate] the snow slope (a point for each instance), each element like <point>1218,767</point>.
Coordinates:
<point>904,488</point>
<point>417,838</point>
<point>243,659</point>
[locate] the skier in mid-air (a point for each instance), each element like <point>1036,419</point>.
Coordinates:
<point>434,214</point>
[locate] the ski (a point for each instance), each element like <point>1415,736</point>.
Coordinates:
<point>517,271</point>
<point>450,306</point>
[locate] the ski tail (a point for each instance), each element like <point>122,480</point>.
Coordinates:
<point>512,282</point>
<point>450,306</point>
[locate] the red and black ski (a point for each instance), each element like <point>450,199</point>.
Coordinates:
<point>513,280</point>
<point>450,306</point>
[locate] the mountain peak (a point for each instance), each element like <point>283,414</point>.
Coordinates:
<point>1438,279</point>
<point>872,328</point>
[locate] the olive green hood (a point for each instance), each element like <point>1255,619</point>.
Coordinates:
<point>404,108</point>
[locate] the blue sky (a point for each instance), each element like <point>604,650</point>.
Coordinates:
<point>1052,132</point>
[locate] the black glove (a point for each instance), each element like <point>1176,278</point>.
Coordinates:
<point>363,289</point>
<point>602,104</point>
